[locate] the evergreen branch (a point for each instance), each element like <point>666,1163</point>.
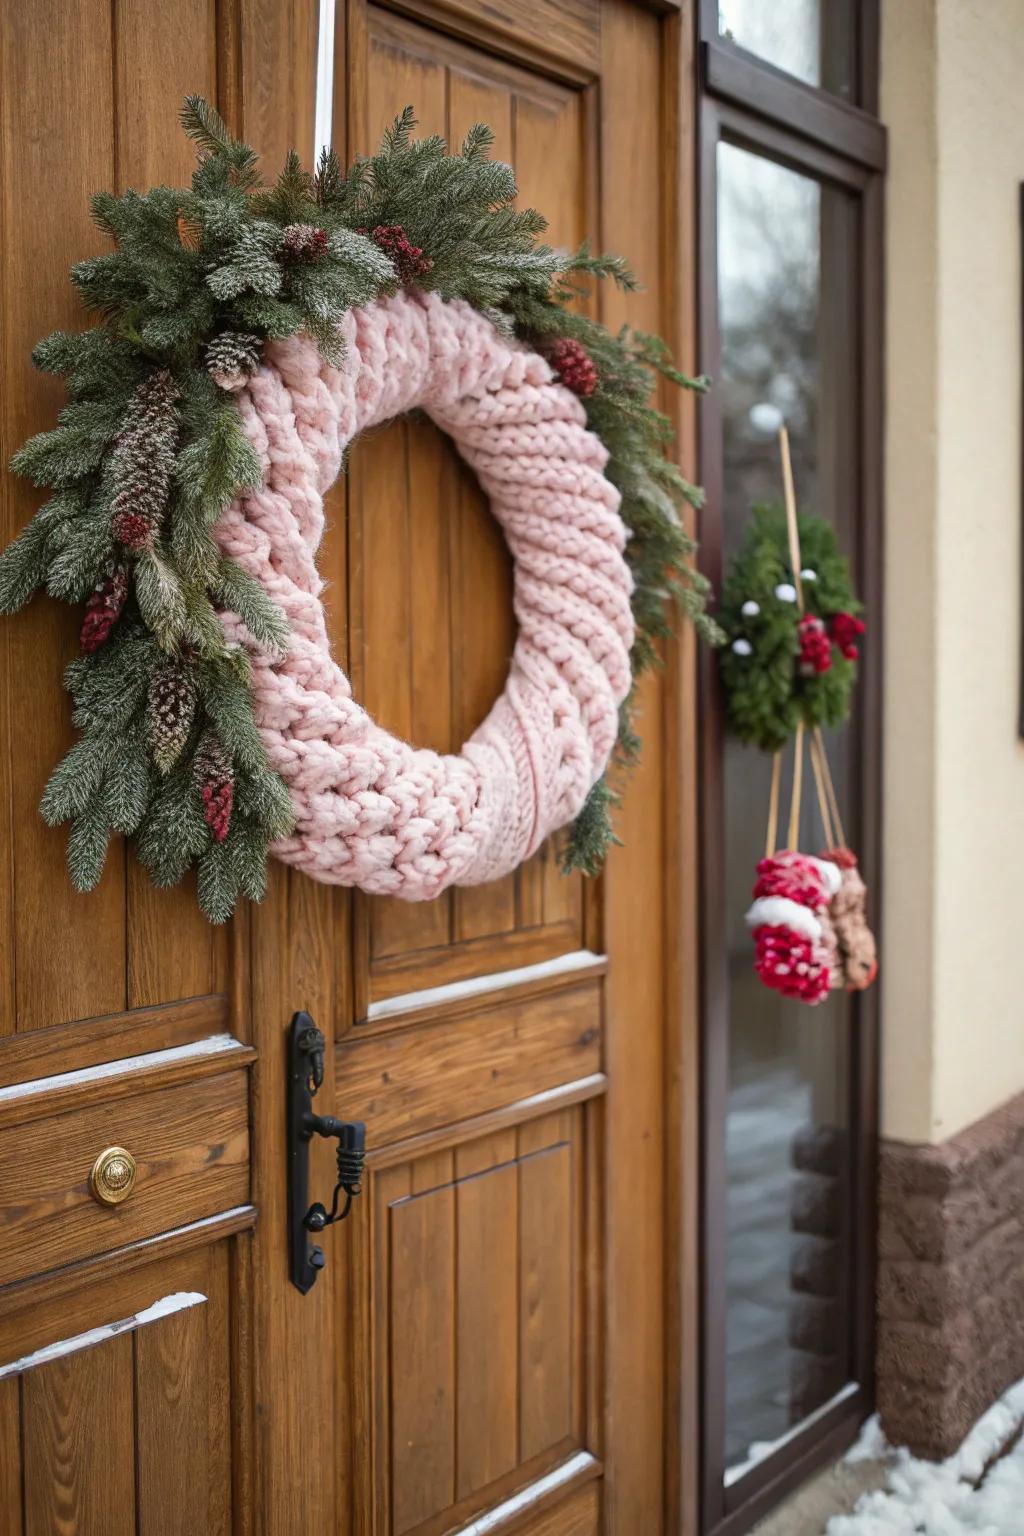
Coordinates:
<point>23,567</point>
<point>205,126</point>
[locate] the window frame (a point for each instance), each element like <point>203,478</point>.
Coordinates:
<point>758,107</point>
<point>729,70</point>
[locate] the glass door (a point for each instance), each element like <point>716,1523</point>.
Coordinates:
<point>790,335</point>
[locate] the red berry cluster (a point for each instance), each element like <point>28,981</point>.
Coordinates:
<point>815,645</point>
<point>103,609</point>
<point>409,260</point>
<point>574,366</point>
<point>304,242</point>
<point>790,963</point>
<point>846,630</point>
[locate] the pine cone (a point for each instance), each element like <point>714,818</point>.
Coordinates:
<point>304,242</point>
<point>216,779</point>
<point>409,260</point>
<point>103,609</point>
<point>143,461</point>
<point>574,366</point>
<point>132,530</point>
<point>232,358</point>
<point>170,710</point>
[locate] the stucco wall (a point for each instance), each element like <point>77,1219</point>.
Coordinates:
<point>953,988</point>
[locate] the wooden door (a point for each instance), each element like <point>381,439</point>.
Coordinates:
<point>121,1408</point>
<point>498,1341</point>
<point>503,1289</point>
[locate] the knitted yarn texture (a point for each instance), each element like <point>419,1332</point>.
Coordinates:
<point>371,810</point>
<point>794,941</point>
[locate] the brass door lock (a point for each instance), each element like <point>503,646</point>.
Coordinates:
<point>113,1176</point>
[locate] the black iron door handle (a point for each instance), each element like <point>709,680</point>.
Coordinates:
<point>306,1047</point>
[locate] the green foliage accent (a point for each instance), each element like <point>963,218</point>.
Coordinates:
<point>766,694</point>
<point>592,835</point>
<point>198,279</point>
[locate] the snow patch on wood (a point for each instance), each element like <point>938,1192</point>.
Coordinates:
<point>475,986</point>
<point>178,1301</point>
<point>212,1045</point>
<point>495,1519</point>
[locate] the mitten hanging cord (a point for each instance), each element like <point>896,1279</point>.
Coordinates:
<point>828,803</point>
<point>794,800</point>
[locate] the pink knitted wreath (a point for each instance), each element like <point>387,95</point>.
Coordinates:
<point>371,810</point>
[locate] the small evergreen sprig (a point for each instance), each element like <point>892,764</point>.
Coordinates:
<point>149,452</point>
<point>767,689</point>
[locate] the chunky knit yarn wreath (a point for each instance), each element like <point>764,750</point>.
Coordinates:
<point>248,333</point>
<point>371,810</point>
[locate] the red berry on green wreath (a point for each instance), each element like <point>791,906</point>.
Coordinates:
<point>409,260</point>
<point>815,646</point>
<point>846,629</point>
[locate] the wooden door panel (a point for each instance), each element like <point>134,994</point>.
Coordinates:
<point>113,1006</point>
<point>115,1410</point>
<point>162,53</point>
<point>110,94</point>
<point>480,1254</point>
<point>76,1427</point>
<point>432,621</point>
<point>477,1357</point>
<point>453,1065</point>
<point>64,955</point>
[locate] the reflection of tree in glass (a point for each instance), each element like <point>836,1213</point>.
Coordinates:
<point>786,33</point>
<point>769,286</point>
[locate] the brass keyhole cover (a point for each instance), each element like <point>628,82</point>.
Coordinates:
<point>113,1176</point>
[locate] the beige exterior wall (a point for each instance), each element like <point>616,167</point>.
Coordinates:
<point>953,956</point>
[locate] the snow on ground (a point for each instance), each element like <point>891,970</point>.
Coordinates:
<point>950,1498</point>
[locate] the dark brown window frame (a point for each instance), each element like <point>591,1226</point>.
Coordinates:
<point>758,107</point>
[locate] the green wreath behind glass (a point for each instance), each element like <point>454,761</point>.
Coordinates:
<point>767,692</point>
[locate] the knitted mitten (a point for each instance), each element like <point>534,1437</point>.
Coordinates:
<point>794,944</point>
<point>857,952</point>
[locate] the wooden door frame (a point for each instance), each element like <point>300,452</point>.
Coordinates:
<point>682,1086</point>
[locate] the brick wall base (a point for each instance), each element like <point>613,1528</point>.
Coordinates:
<point>950,1280</point>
